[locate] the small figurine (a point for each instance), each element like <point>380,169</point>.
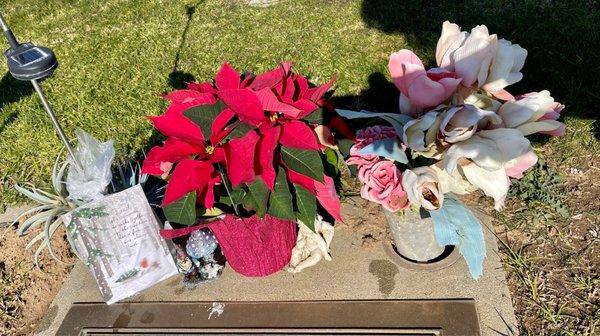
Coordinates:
<point>201,261</point>
<point>311,246</point>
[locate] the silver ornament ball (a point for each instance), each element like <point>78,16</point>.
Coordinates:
<point>201,243</point>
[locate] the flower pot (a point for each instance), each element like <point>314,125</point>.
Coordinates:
<point>413,235</point>
<point>255,246</point>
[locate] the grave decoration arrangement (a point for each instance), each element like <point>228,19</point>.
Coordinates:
<point>247,173</point>
<point>244,160</point>
<point>458,130</point>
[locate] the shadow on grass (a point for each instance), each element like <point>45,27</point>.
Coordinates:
<point>11,90</point>
<point>178,79</point>
<point>381,96</point>
<point>560,36</point>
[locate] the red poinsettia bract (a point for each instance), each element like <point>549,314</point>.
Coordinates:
<point>271,106</point>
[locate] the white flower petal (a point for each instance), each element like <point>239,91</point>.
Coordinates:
<point>409,184</point>
<point>539,126</point>
<point>493,183</point>
<point>454,183</point>
<point>473,58</point>
<point>450,40</point>
<point>414,131</point>
<point>506,66</point>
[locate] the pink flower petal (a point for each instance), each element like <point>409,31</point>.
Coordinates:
<point>503,95</point>
<point>217,130</point>
<point>239,155</point>
<point>188,176</point>
<point>160,159</point>
<point>424,92</point>
<point>266,145</point>
<point>404,67</point>
<point>560,131</point>
<point>245,104</point>
<point>227,78</point>
<point>270,102</point>
<point>516,167</point>
<point>188,96</point>
<point>325,137</point>
<point>297,134</point>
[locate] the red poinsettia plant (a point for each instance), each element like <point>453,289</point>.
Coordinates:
<point>249,144</point>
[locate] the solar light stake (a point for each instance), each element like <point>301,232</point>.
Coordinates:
<point>27,62</point>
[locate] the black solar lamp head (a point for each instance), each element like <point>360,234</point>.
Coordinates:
<point>27,61</point>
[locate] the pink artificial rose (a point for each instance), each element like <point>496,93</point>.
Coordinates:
<point>365,137</point>
<point>382,184</point>
<point>421,88</point>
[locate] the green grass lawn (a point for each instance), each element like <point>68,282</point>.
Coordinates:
<point>117,57</point>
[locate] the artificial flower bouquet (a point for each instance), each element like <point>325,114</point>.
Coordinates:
<point>458,130</point>
<point>248,149</point>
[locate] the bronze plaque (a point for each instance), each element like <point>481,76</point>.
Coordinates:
<point>368,317</point>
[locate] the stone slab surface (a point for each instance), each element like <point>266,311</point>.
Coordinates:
<point>355,273</point>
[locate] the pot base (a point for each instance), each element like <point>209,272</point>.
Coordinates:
<point>446,259</point>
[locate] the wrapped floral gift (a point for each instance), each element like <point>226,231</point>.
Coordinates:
<point>458,130</point>
<point>118,238</point>
<point>253,147</point>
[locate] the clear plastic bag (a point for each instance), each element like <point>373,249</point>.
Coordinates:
<point>96,160</point>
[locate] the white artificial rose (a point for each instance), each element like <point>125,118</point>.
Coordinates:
<point>534,112</point>
<point>480,59</point>
<point>422,188</point>
<point>489,158</point>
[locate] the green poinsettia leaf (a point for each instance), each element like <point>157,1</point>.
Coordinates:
<point>239,131</point>
<point>257,197</point>
<point>331,165</point>
<point>317,117</point>
<point>280,202</point>
<point>344,145</point>
<point>307,206</point>
<point>182,211</point>
<point>237,194</point>
<point>305,162</point>
<point>204,115</point>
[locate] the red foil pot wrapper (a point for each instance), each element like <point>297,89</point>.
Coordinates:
<point>253,246</point>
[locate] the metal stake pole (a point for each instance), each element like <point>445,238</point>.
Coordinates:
<point>10,37</point>
<point>57,127</point>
